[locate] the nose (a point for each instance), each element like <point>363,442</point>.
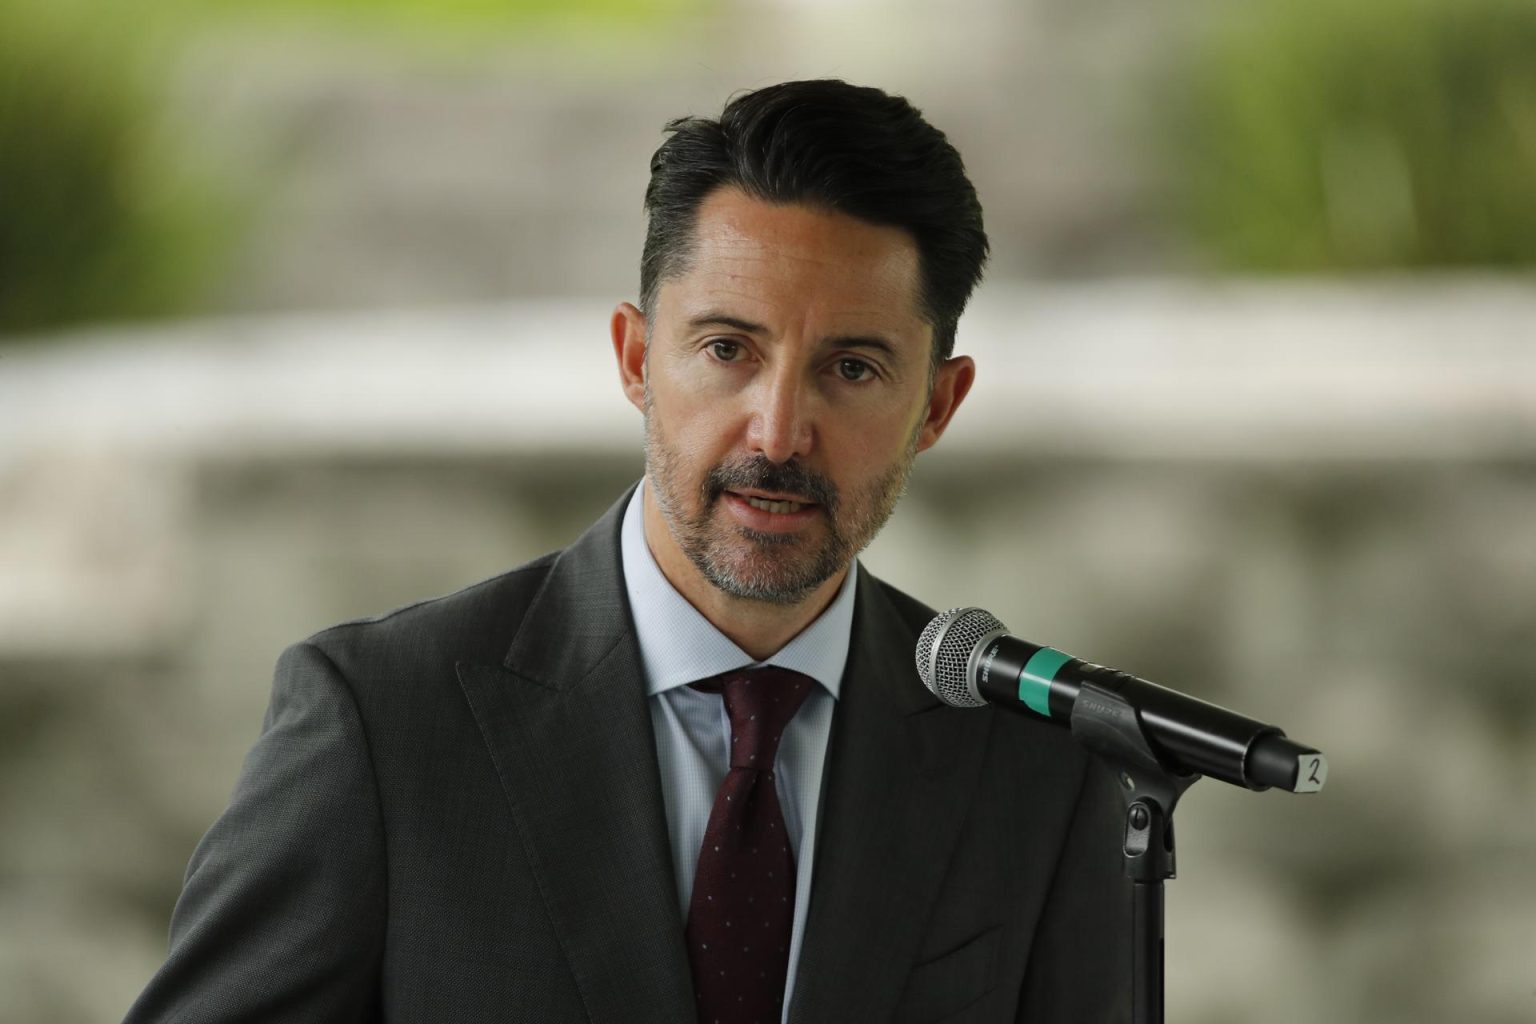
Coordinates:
<point>781,424</point>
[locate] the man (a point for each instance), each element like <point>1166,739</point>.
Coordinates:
<point>684,769</point>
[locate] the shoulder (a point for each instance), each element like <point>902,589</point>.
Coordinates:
<point>420,647</point>
<point>897,615</point>
<point>474,624</point>
<point>913,614</point>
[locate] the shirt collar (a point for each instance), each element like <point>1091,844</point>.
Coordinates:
<point>678,645</point>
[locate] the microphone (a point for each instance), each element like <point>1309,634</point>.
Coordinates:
<point>967,658</point>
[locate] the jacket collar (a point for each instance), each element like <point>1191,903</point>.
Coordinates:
<point>567,725</point>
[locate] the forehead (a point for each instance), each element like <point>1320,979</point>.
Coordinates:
<point>781,262</point>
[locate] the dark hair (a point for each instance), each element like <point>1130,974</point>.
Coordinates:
<point>848,148</point>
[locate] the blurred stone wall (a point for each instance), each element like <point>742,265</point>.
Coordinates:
<point>393,173</point>
<point>1316,505</point>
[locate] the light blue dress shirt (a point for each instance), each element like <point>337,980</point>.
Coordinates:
<point>679,646</point>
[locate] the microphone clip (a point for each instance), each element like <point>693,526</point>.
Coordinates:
<point>1108,725</point>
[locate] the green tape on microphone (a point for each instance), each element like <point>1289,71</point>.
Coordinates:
<point>1035,680</point>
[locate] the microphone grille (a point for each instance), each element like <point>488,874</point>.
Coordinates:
<point>944,651</point>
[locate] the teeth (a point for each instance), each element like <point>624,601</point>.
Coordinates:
<point>777,507</point>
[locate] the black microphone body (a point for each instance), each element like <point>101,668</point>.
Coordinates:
<point>968,658</point>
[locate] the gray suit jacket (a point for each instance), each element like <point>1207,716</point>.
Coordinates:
<point>454,813</point>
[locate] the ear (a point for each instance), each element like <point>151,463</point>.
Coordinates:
<point>628,330</point>
<point>951,383</point>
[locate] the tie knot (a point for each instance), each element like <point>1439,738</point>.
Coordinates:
<point>760,703</point>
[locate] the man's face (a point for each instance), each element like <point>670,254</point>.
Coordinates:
<point>785,384</point>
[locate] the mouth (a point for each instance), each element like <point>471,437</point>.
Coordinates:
<point>772,512</point>
<point>774,503</point>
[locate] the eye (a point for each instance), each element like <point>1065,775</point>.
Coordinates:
<point>725,350</point>
<point>854,370</point>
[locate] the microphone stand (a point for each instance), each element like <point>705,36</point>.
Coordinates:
<point>1107,725</point>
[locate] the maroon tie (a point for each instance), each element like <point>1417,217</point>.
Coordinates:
<point>743,903</point>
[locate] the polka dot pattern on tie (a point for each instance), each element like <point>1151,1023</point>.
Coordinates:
<point>741,912</point>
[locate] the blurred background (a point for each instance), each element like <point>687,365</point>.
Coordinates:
<point>303,316</point>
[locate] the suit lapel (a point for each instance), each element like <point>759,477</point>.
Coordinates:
<point>900,773</point>
<point>567,723</point>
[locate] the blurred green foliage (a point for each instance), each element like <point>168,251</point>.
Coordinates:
<point>1316,135</point>
<point>439,15</point>
<point>98,217</point>
<point>108,210</point>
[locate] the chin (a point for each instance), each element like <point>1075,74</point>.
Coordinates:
<point>770,572</point>
<point>763,591</point>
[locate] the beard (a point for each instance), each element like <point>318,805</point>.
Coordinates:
<point>773,568</point>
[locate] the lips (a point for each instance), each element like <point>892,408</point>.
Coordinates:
<point>772,496</point>
<point>772,505</point>
<point>777,507</point>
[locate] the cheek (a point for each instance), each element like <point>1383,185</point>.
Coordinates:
<point>696,434</point>
<point>870,442</point>
<point>690,377</point>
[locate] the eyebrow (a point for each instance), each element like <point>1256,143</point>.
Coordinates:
<point>736,323</point>
<point>724,320</point>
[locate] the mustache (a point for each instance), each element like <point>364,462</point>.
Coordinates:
<point>759,473</point>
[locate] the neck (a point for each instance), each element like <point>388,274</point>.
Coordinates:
<point>760,628</point>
